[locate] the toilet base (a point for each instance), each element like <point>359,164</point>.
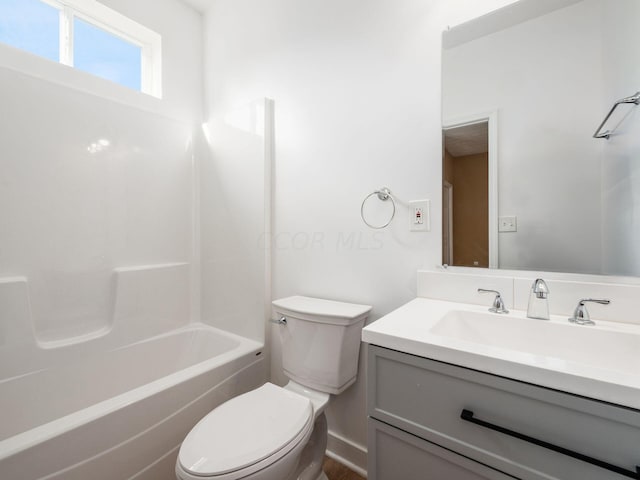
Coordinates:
<point>312,457</point>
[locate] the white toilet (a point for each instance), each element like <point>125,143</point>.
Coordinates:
<point>280,433</point>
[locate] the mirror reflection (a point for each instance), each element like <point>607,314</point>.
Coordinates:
<point>525,183</point>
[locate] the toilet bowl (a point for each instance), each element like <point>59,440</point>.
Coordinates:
<point>280,433</point>
<point>259,435</point>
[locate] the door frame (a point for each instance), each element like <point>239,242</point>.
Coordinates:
<point>449,191</point>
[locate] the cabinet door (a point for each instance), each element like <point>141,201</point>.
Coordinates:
<point>396,455</point>
<point>512,427</point>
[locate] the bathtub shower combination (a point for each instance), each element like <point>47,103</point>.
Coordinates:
<point>115,403</point>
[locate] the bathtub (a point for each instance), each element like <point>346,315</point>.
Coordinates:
<point>121,413</point>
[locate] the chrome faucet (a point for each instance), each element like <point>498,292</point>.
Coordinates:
<point>581,315</point>
<point>498,303</point>
<point>538,303</point>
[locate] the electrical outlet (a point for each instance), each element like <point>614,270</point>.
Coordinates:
<point>419,216</point>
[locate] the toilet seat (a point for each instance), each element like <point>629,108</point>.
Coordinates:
<point>246,434</point>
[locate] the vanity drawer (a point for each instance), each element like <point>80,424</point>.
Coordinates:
<point>394,454</point>
<point>426,398</point>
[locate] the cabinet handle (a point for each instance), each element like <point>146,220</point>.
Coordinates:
<point>467,415</point>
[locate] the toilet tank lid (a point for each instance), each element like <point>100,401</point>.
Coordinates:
<point>317,309</point>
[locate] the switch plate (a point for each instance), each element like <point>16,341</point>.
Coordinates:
<point>508,224</point>
<point>419,216</point>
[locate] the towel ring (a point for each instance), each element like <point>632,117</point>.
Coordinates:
<point>383,194</point>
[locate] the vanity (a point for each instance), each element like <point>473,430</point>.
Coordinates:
<point>457,392</point>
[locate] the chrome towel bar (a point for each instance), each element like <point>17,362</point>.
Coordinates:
<point>635,99</point>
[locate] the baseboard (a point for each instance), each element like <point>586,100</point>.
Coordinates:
<point>349,453</point>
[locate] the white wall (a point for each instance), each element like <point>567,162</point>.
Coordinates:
<point>70,216</point>
<point>356,86</point>
<point>548,91</point>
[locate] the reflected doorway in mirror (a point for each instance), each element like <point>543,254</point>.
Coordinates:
<point>469,191</point>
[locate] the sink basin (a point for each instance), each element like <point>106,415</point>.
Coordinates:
<point>552,342</point>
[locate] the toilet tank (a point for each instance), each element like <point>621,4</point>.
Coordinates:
<point>320,341</point>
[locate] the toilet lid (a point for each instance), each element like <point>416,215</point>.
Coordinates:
<point>245,430</point>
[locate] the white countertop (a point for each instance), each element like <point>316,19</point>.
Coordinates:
<point>556,361</point>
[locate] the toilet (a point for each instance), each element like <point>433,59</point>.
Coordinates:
<point>280,433</point>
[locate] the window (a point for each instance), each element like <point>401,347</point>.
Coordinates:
<point>31,25</point>
<point>88,36</point>
<point>105,55</point>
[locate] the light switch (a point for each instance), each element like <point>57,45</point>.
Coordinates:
<point>508,224</point>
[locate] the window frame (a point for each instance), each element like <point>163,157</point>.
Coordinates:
<point>116,24</point>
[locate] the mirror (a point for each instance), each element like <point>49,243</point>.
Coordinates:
<point>525,183</point>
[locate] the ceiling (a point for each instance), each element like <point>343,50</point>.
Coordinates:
<point>467,140</point>
<point>199,5</point>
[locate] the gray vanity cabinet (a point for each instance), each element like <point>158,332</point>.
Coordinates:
<point>402,456</point>
<point>416,430</point>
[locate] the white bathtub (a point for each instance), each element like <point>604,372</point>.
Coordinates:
<point>121,413</point>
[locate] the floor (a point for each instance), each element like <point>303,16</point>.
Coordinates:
<point>337,471</point>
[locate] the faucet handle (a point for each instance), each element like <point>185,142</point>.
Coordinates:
<point>581,314</point>
<point>498,303</point>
